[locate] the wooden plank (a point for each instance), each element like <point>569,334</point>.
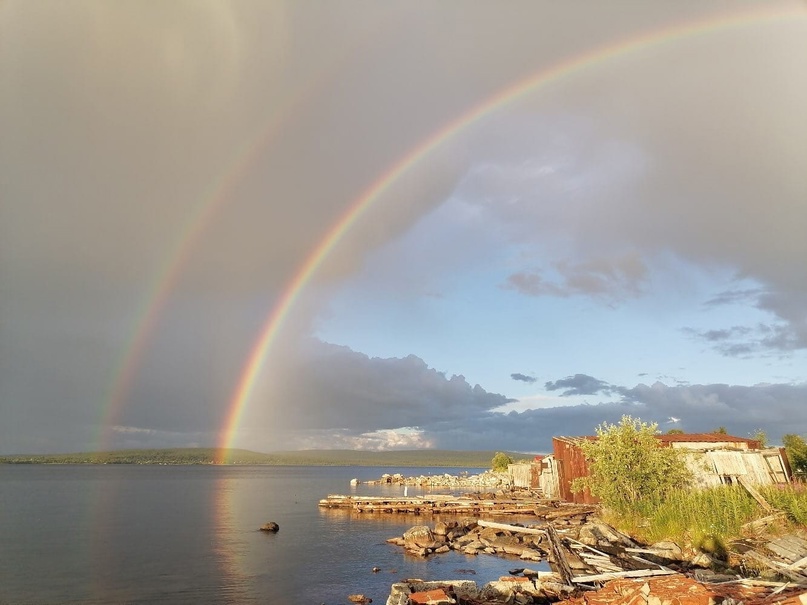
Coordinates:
<point>634,573</point>
<point>794,543</point>
<point>778,567</point>
<point>513,528</point>
<point>558,556</point>
<point>755,494</point>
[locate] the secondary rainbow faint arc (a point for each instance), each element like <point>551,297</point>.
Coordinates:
<point>191,233</point>
<point>357,209</point>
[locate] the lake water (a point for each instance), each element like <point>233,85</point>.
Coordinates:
<point>188,534</point>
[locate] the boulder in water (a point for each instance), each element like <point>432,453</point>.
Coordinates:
<point>270,527</point>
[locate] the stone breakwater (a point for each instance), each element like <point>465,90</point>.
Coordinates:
<point>487,480</point>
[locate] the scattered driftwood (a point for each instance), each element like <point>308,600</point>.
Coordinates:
<point>515,528</point>
<point>779,568</point>
<point>791,548</point>
<point>557,556</point>
<point>760,525</point>
<point>634,573</point>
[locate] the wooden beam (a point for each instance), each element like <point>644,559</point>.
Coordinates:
<point>755,494</point>
<point>513,528</point>
<point>558,556</point>
<point>635,573</point>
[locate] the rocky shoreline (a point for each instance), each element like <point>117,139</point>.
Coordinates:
<point>592,563</point>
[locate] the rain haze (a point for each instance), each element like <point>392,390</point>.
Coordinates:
<point>286,225</point>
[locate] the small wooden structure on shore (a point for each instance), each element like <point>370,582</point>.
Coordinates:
<point>459,505</point>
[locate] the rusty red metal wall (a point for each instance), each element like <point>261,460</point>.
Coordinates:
<point>571,465</point>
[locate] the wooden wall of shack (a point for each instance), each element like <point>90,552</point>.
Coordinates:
<point>526,474</point>
<point>570,464</point>
<point>722,463</point>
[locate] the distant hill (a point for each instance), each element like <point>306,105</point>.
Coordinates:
<point>404,458</point>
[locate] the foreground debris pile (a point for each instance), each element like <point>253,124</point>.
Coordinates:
<point>594,564</point>
<point>545,588</point>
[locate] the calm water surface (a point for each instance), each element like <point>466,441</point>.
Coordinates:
<point>188,534</point>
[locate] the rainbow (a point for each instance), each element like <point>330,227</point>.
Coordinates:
<point>195,226</point>
<point>358,208</point>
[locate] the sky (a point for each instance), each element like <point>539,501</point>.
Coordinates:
<point>380,225</point>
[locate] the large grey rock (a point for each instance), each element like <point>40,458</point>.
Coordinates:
<point>419,536</point>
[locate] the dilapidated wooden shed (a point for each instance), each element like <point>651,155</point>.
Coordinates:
<point>714,459</point>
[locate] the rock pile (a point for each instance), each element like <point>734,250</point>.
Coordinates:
<point>472,537</point>
<point>539,587</point>
<point>487,480</point>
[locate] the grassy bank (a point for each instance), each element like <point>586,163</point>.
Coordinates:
<point>708,518</point>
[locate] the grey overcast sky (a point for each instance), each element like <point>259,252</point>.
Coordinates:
<point>481,223</point>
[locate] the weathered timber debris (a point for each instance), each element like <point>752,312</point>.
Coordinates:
<point>594,564</point>
<point>500,503</point>
<point>558,556</point>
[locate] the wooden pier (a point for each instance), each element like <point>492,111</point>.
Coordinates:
<point>444,505</point>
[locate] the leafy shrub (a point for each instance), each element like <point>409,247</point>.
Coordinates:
<point>627,464</point>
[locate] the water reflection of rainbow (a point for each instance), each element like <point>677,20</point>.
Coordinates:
<point>564,69</point>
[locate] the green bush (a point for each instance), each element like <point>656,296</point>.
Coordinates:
<point>627,464</point>
<point>500,461</point>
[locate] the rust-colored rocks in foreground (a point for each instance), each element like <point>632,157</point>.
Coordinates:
<point>540,588</point>
<point>682,590</point>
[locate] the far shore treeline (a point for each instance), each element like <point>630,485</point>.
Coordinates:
<point>404,458</point>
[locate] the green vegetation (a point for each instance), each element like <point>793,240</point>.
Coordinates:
<point>643,489</point>
<point>403,458</point>
<point>500,461</point>
<point>796,449</point>
<point>761,436</point>
<point>709,518</point>
<point>628,465</point>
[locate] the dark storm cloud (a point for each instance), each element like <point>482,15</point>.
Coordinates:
<point>523,377</point>
<point>334,387</point>
<point>579,384</point>
<point>701,408</point>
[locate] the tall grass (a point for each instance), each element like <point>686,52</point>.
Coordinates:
<point>705,516</point>
<point>791,499</point>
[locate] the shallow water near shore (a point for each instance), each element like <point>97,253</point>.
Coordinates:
<point>188,534</point>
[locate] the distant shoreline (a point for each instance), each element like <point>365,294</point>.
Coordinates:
<point>235,457</point>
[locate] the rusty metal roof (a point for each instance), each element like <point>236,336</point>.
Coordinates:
<point>704,438</point>
<point>680,438</point>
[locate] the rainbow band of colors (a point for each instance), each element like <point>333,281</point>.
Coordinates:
<point>362,204</point>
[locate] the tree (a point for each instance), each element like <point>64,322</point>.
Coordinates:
<point>721,430</point>
<point>761,436</point>
<point>500,461</point>
<point>675,432</point>
<point>627,463</point>
<point>796,449</point>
